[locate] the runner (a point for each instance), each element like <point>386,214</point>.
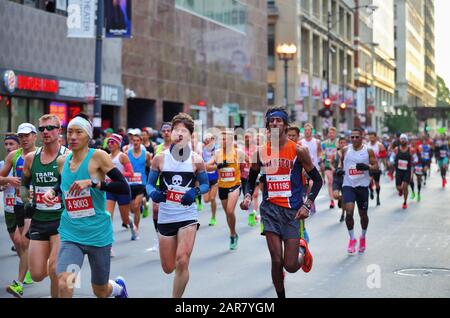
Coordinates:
<point>329,147</point>
<point>338,179</point>
<point>425,153</point>
<point>418,172</point>
<point>166,132</point>
<point>443,148</point>
<point>179,168</point>
<point>403,165</point>
<point>208,151</point>
<point>249,149</point>
<point>356,160</point>
<point>11,143</point>
<point>86,226</point>
<point>282,206</point>
<point>40,171</point>
<point>140,160</point>
<point>15,161</point>
<point>123,164</point>
<point>226,161</point>
<point>380,153</point>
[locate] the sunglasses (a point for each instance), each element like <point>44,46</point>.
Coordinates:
<point>355,137</point>
<point>48,127</point>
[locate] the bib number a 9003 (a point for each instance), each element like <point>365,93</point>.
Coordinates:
<point>80,206</point>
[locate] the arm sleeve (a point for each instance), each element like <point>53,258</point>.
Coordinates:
<point>128,170</point>
<point>317,183</point>
<point>203,180</point>
<point>151,181</point>
<point>118,184</point>
<point>252,176</point>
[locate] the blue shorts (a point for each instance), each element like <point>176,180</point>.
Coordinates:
<point>360,195</point>
<point>121,199</point>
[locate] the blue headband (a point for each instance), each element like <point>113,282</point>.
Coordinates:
<point>12,137</point>
<point>279,114</point>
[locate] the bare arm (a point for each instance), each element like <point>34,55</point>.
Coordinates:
<point>373,166</point>
<point>4,179</point>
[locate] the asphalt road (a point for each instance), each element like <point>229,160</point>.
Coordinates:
<point>417,238</point>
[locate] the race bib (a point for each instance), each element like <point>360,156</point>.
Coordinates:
<point>330,152</point>
<point>443,153</point>
<point>354,173</point>
<point>80,206</point>
<point>40,205</point>
<point>402,164</point>
<point>418,169</point>
<point>136,178</point>
<point>425,155</point>
<point>279,186</point>
<point>227,174</point>
<point>10,201</point>
<point>174,194</point>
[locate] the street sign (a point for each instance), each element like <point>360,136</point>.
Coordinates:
<point>81,15</point>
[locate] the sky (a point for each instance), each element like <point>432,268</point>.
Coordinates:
<point>442,30</point>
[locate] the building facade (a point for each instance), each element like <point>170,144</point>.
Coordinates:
<point>305,23</point>
<point>415,55</point>
<point>44,71</point>
<point>206,58</point>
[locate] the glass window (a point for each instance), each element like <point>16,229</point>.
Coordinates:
<point>19,110</point>
<point>36,110</point>
<point>271,46</point>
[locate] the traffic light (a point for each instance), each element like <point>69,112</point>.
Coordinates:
<point>327,103</point>
<point>343,106</point>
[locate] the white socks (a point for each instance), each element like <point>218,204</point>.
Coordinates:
<point>352,234</point>
<point>116,288</point>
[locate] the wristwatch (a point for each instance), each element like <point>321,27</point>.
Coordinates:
<point>308,206</point>
<point>94,182</point>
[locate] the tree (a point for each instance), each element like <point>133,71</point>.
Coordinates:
<point>403,121</point>
<point>443,93</point>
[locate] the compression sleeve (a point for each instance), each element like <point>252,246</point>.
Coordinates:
<point>203,180</point>
<point>252,176</point>
<point>151,181</point>
<point>128,170</point>
<point>118,184</point>
<point>317,183</point>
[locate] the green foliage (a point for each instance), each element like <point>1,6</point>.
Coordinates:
<point>443,93</point>
<point>403,121</point>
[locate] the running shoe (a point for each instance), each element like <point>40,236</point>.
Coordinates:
<point>234,242</point>
<point>418,197</point>
<point>121,281</point>
<point>307,259</point>
<point>351,249</point>
<point>28,280</point>
<point>378,202</point>
<point>404,206</point>
<point>252,219</point>
<point>145,210</point>
<point>371,194</point>
<point>133,232</point>
<point>212,222</point>
<point>15,289</point>
<point>413,196</point>
<point>400,193</point>
<point>332,204</point>
<point>125,226</point>
<point>362,244</point>
<point>155,247</point>
<point>342,218</point>
<point>199,204</point>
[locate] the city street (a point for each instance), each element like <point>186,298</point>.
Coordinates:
<point>416,238</point>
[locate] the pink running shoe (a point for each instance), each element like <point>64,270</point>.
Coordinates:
<point>362,244</point>
<point>352,247</point>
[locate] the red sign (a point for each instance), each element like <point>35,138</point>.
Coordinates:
<point>37,84</point>
<point>60,110</point>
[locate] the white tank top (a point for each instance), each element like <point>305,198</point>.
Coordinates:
<point>376,149</point>
<point>9,199</point>
<point>312,147</point>
<point>117,163</point>
<point>354,178</point>
<point>176,179</point>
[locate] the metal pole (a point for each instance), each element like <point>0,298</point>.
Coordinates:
<point>98,65</point>
<point>328,52</point>
<point>286,82</point>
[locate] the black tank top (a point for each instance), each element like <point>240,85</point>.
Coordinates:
<point>403,156</point>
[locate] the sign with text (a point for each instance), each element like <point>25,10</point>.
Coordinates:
<point>81,15</point>
<point>118,18</point>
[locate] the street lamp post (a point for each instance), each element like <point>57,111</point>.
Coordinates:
<point>286,52</point>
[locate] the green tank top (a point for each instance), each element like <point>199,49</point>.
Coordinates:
<point>43,178</point>
<point>330,150</point>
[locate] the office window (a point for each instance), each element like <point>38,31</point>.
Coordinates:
<point>271,46</point>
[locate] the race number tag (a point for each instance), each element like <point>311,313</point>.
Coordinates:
<point>80,206</point>
<point>227,174</point>
<point>418,169</point>
<point>443,153</point>
<point>279,186</point>
<point>10,201</point>
<point>136,178</point>
<point>40,205</point>
<point>174,194</point>
<point>402,164</point>
<point>355,173</point>
<point>330,152</point>
<point>425,155</point>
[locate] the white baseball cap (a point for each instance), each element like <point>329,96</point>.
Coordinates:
<point>26,128</point>
<point>404,137</point>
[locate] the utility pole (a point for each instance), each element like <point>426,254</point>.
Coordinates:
<point>98,68</point>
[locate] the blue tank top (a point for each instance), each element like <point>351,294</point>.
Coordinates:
<point>84,219</point>
<point>426,150</point>
<point>207,155</point>
<point>138,164</point>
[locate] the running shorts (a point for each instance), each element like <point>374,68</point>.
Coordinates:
<point>171,229</point>
<point>11,223</point>
<point>402,176</point>
<point>121,199</point>
<point>279,220</point>
<point>360,195</point>
<point>337,182</point>
<point>224,192</point>
<point>42,230</point>
<point>137,189</point>
<point>375,175</point>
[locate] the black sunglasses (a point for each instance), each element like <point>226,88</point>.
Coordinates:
<point>48,127</point>
<point>355,137</point>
